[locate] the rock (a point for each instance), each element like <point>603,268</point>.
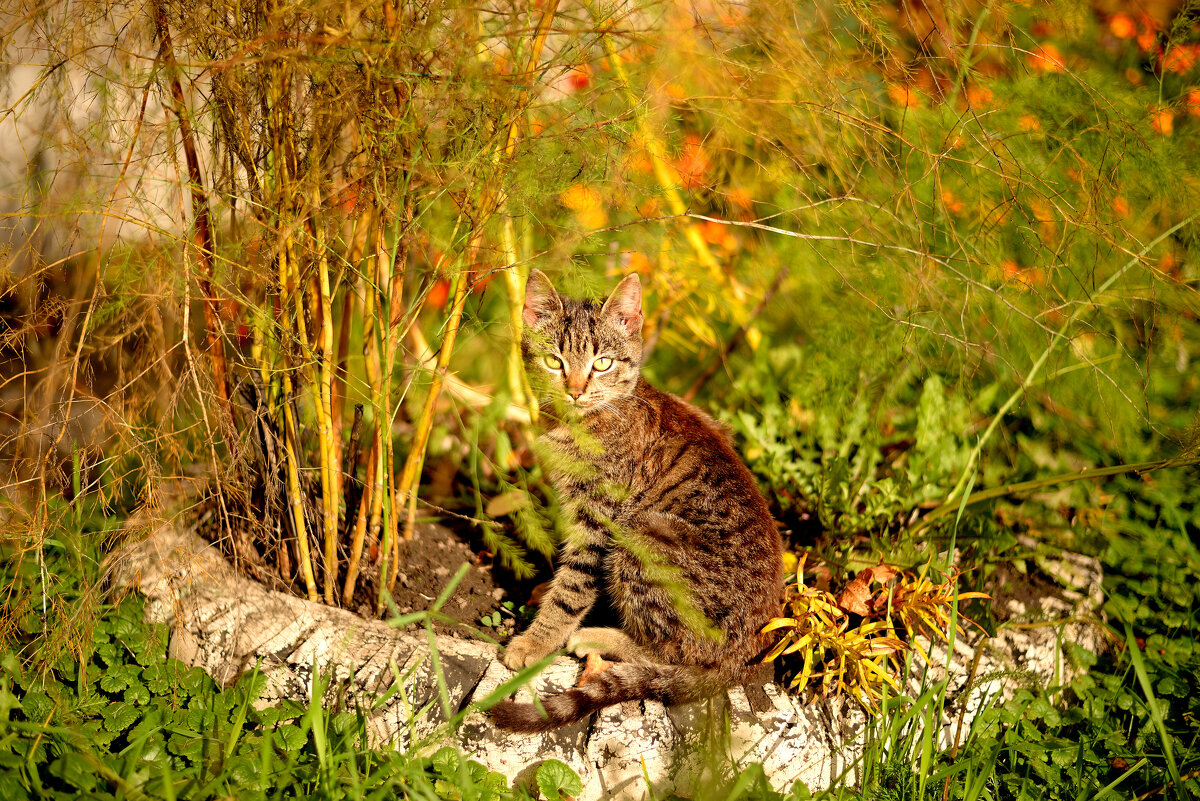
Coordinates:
<point>228,624</point>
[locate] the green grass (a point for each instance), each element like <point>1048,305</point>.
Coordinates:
<point>101,712</point>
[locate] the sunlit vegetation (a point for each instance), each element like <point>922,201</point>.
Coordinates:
<point>935,265</point>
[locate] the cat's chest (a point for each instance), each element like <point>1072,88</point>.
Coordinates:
<point>578,459</point>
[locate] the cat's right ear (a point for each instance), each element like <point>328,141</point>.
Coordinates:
<point>540,298</point>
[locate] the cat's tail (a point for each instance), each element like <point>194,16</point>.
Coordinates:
<point>624,681</point>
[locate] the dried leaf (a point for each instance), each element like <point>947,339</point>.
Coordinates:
<point>506,504</point>
<point>857,593</point>
<point>884,573</point>
<point>538,592</point>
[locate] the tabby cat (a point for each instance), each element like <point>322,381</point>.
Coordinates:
<point>662,514</point>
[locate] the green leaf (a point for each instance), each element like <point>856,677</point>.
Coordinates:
<point>556,780</point>
<point>37,706</point>
<point>119,716</point>
<point>114,681</point>
<point>75,771</point>
<point>291,736</point>
<point>446,762</point>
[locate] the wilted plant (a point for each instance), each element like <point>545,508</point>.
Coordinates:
<point>860,659</point>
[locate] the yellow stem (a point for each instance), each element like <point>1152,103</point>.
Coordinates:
<point>416,455</point>
<point>330,470</point>
<point>667,180</point>
<point>492,201</point>
<point>385,347</point>
<point>290,446</point>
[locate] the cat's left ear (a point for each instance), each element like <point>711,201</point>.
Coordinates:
<point>624,305</point>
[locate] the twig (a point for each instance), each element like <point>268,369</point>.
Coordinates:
<point>738,336</point>
<point>203,229</point>
<point>361,519</point>
<point>1184,778</point>
<point>1058,337</point>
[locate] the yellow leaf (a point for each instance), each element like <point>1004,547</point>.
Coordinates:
<point>507,503</point>
<point>779,623</point>
<point>800,643</point>
<point>776,651</point>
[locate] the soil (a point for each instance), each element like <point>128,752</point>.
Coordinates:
<point>433,556</point>
<point>1011,589</point>
<point>436,553</point>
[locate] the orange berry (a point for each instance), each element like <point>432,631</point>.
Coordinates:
<point>1180,59</point>
<point>438,294</point>
<point>639,262</point>
<point>740,198</point>
<point>1192,102</point>
<point>903,96</point>
<point>580,77</point>
<point>979,95</point>
<point>693,163</point>
<point>953,204</point>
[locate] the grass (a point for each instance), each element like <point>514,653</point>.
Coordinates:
<point>114,717</point>
<point>101,711</point>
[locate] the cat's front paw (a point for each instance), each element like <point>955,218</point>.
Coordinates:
<point>524,650</point>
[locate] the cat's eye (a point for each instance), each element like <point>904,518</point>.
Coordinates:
<point>553,362</point>
<point>602,364</point>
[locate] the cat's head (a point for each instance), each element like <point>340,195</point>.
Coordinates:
<point>580,352</point>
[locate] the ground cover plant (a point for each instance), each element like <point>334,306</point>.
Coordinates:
<point>936,267</point>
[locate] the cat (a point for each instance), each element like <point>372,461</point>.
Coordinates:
<point>661,512</point>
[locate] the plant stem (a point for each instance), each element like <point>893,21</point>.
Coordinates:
<point>360,524</point>
<point>514,284</point>
<point>203,229</point>
<point>492,201</point>
<point>1058,337</point>
<point>1018,488</point>
<point>407,489</point>
<point>330,469</point>
<point>291,448</point>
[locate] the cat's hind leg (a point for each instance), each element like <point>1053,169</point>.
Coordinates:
<point>608,643</point>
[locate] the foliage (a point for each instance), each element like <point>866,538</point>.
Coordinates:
<point>118,718</point>
<point>824,456</point>
<point>986,216</point>
<point>508,617</point>
<point>862,660</point>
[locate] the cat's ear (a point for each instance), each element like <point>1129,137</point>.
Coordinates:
<point>540,298</point>
<point>624,305</point>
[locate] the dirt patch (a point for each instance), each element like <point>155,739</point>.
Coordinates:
<point>1013,591</point>
<point>432,558</point>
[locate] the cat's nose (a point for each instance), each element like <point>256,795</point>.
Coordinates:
<point>574,392</point>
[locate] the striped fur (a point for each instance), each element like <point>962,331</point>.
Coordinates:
<point>667,684</point>
<point>662,515</point>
